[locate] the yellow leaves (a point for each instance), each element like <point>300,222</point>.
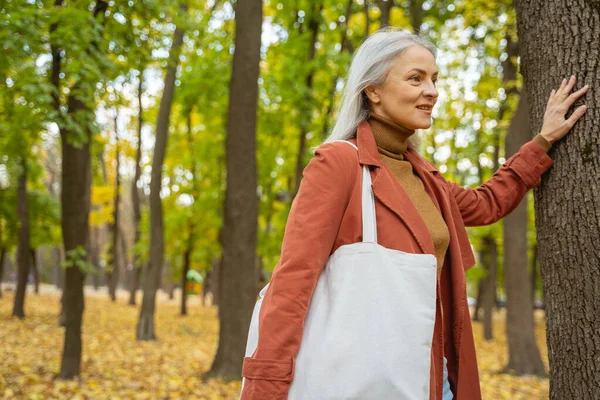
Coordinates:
<point>102,204</point>
<point>492,357</point>
<point>115,366</point>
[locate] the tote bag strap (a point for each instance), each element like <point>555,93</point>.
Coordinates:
<point>369,221</point>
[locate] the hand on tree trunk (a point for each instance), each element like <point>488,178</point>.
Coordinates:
<point>555,124</point>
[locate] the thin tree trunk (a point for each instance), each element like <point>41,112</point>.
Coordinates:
<point>23,247</point>
<point>238,284</point>
<point>114,275</point>
<point>145,326</point>
<point>75,206</point>
<point>534,271</point>
<point>306,109</point>
<point>216,280</point>
<point>479,300</point>
<point>135,195</point>
<point>523,354</point>
<point>489,294</point>
<point>2,258</point>
<point>385,7</point>
<point>191,222</point>
<point>95,256</point>
<point>416,15</point>
<point>557,39</point>
<point>367,18</point>
<point>58,271</point>
<point>344,44</point>
<point>35,270</point>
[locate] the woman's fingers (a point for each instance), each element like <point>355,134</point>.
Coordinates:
<point>565,88</point>
<point>575,95</point>
<point>578,113</point>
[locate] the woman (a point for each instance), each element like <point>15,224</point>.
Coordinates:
<point>390,92</point>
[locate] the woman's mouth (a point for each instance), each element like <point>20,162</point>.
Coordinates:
<point>425,109</point>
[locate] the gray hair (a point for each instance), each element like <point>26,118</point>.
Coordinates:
<point>370,66</point>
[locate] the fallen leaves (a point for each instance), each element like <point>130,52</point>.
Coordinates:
<point>116,366</point>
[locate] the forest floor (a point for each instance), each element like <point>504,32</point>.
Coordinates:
<point>115,366</point>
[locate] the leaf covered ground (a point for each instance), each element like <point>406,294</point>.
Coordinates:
<point>115,366</point>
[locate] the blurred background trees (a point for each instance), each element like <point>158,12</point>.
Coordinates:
<point>121,122</point>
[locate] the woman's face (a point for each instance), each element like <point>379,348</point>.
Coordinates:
<point>408,94</point>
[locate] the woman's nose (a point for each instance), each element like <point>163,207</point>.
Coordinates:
<point>431,91</point>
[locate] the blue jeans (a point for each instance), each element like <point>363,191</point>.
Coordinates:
<point>446,392</point>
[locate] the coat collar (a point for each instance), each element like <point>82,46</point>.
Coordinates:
<point>389,192</point>
<point>369,155</point>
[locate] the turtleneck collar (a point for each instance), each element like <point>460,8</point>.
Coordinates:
<point>391,138</point>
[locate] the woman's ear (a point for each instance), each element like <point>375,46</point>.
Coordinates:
<point>373,94</point>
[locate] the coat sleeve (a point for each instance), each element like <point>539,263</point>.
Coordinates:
<point>503,192</point>
<point>310,234</point>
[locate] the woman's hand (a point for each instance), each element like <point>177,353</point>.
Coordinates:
<point>555,124</point>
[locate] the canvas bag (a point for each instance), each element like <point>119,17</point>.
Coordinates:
<point>369,327</point>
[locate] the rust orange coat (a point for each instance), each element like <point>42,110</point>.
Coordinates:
<point>326,214</point>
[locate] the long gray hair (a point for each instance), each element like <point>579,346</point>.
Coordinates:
<point>370,66</point>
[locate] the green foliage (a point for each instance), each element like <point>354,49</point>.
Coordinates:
<point>77,258</point>
<point>103,58</point>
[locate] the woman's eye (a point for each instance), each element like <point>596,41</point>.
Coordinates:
<point>415,78</point>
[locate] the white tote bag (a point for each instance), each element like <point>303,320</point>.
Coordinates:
<point>369,327</point>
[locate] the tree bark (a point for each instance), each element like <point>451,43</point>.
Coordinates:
<point>35,270</point>
<point>191,222</point>
<point>490,262</point>
<point>2,258</point>
<point>145,326</point>
<point>367,18</point>
<point>95,255</point>
<point>534,271</point>
<point>557,39</point>
<point>75,205</point>
<point>478,300</point>
<point>114,273</point>
<point>344,45</point>
<point>135,195</point>
<point>385,7</point>
<point>23,247</point>
<point>416,15</point>
<point>238,275</point>
<point>523,354</point>
<point>306,109</point>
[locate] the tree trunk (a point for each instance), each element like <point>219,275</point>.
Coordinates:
<point>23,247</point>
<point>523,354</point>
<point>489,294</point>
<point>95,255</point>
<point>114,274</point>
<point>145,326</point>
<point>2,258</point>
<point>238,275</point>
<point>306,108</point>
<point>191,223</point>
<point>75,206</point>
<point>557,39</point>
<point>215,284</point>
<point>385,7</point>
<point>135,195</point>
<point>75,202</point>
<point>478,301</point>
<point>344,45</point>
<point>534,271</point>
<point>58,271</point>
<point>367,19</point>
<point>35,270</point>
<point>416,15</point>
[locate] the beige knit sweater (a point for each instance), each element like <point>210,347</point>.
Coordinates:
<point>392,142</point>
